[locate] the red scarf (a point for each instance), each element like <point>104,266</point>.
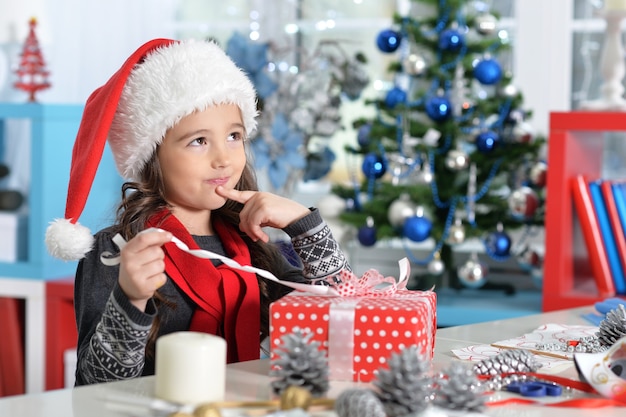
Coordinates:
<point>228,300</point>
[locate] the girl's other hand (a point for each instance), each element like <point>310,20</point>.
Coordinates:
<point>263,209</point>
<point>142,266</point>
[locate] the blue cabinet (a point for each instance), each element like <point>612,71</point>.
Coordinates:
<point>51,131</point>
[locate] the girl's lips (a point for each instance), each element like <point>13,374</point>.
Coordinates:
<point>218,181</point>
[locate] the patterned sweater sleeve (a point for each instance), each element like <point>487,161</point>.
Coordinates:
<point>112,333</point>
<point>321,255</point>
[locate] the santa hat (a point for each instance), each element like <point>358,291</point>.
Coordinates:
<point>160,83</point>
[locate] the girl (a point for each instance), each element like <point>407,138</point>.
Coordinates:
<point>177,116</point>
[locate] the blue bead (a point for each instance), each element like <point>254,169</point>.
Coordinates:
<point>451,40</point>
<point>367,236</point>
<point>388,40</point>
<point>438,108</point>
<point>488,71</point>
<point>417,228</point>
<point>487,141</point>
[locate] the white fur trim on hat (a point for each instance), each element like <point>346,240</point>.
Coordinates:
<point>171,83</point>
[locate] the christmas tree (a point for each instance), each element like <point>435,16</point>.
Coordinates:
<point>32,73</point>
<point>450,154</point>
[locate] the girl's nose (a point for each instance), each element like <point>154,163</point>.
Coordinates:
<point>220,155</point>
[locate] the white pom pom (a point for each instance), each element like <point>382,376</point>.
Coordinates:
<point>68,241</point>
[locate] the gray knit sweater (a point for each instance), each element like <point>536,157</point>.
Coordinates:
<point>112,333</point>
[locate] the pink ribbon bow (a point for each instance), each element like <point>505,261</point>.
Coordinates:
<point>372,283</point>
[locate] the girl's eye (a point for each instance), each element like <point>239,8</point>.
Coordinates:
<point>235,137</point>
<point>198,142</point>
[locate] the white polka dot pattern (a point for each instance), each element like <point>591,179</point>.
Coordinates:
<point>382,325</point>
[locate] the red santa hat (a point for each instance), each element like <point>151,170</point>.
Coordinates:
<point>160,83</point>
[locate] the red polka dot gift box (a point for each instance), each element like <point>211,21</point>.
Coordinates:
<point>367,320</point>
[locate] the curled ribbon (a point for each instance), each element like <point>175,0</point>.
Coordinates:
<point>372,283</point>
<point>108,259</point>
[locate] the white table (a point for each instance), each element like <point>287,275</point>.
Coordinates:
<point>249,380</point>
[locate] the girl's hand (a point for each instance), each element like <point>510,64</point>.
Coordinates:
<point>263,209</point>
<point>142,268</point>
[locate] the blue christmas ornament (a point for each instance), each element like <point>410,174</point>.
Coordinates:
<point>363,135</point>
<point>438,108</point>
<point>374,165</point>
<point>488,71</point>
<point>499,243</point>
<point>388,40</point>
<point>487,141</point>
<point>417,228</point>
<point>451,40</point>
<point>367,234</point>
<point>394,97</point>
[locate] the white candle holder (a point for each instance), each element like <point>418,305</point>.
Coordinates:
<point>612,66</point>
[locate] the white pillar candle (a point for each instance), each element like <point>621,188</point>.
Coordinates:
<point>190,368</point>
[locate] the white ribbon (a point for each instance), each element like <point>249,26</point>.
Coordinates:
<point>108,259</point>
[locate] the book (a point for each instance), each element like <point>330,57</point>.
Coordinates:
<point>608,238</point>
<point>592,236</point>
<point>616,210</point>
<point>619,193</point>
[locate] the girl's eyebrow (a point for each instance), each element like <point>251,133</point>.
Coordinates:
<point>194,133</point>
<point>206,132</point>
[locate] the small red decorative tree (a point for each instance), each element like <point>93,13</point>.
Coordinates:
<point>32,73</point>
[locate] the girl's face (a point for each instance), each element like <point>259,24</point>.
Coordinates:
<point>204,150</point>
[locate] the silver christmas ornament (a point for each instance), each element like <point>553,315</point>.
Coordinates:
<point>523,202</point>
<point>486,24</point>
<point>613,327</point>
<point>460,389</point>
<point>359,402</point>
<point>300,362</point>
<point>523,132</point>
<point>472,273</point>
<point>508,90</point>
<point>508,361</point>
<point>457,160</point>
<point>456,234</point>
<point>400,210</point>
<point>436,266</point>
<point>405,387</point>
<point>425,175</point>
<point>539,174</point>
<point>528,258</point>
<point>414,64</point>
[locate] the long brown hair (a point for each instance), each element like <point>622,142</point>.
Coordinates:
<point>143,198</point>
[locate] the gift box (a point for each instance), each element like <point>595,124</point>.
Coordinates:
<point>358,333</point>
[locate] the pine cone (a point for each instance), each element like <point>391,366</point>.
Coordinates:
<point>356,402</point>
<point>405,387</point>
<point>460,389</point>
<point>300,362</point>
<point>514,360</point>
<point>613,326</point>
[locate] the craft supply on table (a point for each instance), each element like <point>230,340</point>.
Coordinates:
<point>535,388</point>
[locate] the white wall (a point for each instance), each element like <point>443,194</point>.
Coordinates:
<point>83,42</point>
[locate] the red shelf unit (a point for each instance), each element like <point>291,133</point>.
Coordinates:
<point>575,146</point>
